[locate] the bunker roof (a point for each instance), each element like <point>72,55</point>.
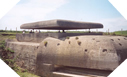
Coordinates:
<point>61,25</point>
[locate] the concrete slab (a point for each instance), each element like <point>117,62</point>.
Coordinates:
<point>60,74</point>
<point>61,25</point>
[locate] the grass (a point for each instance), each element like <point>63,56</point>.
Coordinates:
<point>122,33</point>
<point>8,49</point>
<point>117,33</point>
<point>26,74</point>
<point>77,32</point>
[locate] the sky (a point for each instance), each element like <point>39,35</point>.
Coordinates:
<point>101,11</point>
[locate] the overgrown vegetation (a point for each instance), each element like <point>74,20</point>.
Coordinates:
<point>2,45</point>
<point>7,55</point>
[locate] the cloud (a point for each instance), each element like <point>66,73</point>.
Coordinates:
<point>29,11</point>
<point>36,10</point>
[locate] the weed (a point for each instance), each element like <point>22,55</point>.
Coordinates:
<point>2,42</point>
<point>8,49</point>
<point>9,61</point>
<point>2,47</point>
<point>25,70</point>
<point>45,43</point>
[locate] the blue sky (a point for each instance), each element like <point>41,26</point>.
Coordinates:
<point>85,10</point>
<point>79,10</point>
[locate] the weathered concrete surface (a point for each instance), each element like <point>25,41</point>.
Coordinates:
<point>88,51</point>
<point>51,46</point>
<point>61,74</point>
<point>78,72</point>
<point>61,25</point>
<point>93,52</point>
<point>25,54</point>
<point>39,37</point>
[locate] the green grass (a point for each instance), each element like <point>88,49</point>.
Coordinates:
<point>77,32</point>
<point>122,33</point>
<point>8,34</point>
<point>26,74</point>
<point>117,33</point>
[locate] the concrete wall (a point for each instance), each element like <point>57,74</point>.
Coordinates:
<point>25,54</point>
<point>94,52</point>
<point>87,51</point>
<point>38,37</point>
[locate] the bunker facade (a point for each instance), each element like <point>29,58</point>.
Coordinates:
<point>81,54</point>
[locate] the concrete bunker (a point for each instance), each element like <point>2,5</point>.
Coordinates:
<point>82,54</point>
